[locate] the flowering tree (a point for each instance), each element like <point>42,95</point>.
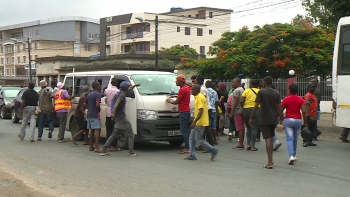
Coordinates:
<point>269,50</point>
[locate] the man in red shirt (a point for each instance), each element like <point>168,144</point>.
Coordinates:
<point>311,113</point>
<point>183,102</point>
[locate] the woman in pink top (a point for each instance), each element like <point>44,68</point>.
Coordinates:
<point>292,122</point>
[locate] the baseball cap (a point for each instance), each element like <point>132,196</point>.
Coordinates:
<point>60,85</point>
<point>181,78</point>
<point>125,84</point>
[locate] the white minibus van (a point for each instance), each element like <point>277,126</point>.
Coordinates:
<point>151,117</point>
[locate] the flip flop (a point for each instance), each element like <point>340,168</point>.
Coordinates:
<point>189,158</point>
<point>238,147</point>
<point>254,149</point>
<point>97,151</point>
<point>105,154</point>
<point>268,167</point>
<point>92,149</point>
<point>133,155</point>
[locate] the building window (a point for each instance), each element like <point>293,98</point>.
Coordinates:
<point>210,32</point>
<point>178,29</point>
<point>2,60</point>
<point>25,34</point>
<point>210,14</point>
<point>13,60</point>
<point>1,74</point>
<point>186,46</point>
<point>18,60</point>
<point>2,49</point>
<point>37,32</point>
<point>90,36</point>
<point>18,48</point>
<point>21,71</point>
<point>24,47</point>
<point>7,60</point>
<point>187,31</point>
<point>199,32</point>
<point>202,50</point>
<point>87,47</point>
<point>24,59</point>
<point>35,45</point>
<point>7,72</point>
<point>12,71</point>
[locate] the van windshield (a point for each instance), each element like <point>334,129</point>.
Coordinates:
<point>160,84</point>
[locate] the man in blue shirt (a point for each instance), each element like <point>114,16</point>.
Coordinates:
<point>92,103</point>
<point>213,102</point>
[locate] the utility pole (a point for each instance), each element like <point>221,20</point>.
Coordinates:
<point>30,62</point>
<point>156,43</point>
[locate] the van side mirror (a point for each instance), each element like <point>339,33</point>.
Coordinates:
<point>130,94</point>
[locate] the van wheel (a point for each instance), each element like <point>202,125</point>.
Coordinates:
<point>74,129</point>
<point>123,141</point>
<point>176,142</point>
<point>14,118</point>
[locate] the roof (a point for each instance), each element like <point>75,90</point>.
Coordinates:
<point>114,72</point>
<point>50,20</point>
<point>199,8</point>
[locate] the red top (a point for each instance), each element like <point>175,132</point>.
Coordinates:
<point>293,104</point>
<point>312,100</point>
<point>185,96</point>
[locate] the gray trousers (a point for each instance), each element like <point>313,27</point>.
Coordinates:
<point>62,117</point>
<point>252,131</point>
<point>28,115</point>
<point>345,134</point>
<point>121,128</point>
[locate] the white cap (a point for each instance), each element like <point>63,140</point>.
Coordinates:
<point>60,85</point>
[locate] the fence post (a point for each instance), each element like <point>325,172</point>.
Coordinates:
<point>290,81</point>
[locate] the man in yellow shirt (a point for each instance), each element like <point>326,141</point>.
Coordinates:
<point>200,122</point>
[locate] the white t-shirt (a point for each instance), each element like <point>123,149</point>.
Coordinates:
<point>204,91</point>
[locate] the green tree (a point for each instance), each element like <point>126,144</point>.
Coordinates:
<point>269,50</point>
<point>327,12</point>
<point>177,50</point>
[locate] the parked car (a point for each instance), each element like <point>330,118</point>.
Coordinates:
<point>6,98</point>
<point>17,102</point>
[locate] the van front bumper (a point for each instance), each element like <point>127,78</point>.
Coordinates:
<point>158,130</point>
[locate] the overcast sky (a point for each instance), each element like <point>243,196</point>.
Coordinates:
<point>246,12</point>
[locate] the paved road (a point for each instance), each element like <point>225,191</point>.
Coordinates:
<point>62,169</point>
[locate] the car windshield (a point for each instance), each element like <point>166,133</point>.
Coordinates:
<point>11,93</point>
<point>156,84</point>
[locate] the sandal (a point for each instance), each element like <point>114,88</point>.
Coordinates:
<point>249,148</point>
<point>92,149</point>
<point>238,147</point>
<point>86,144</point>
<point>39,139</point>
<point>189,158</point>
<point>133,154</point>
<point>254,149</point>
<point>105,154</point>
<point>73,141</point>
<point>97,150</point>
<point>268,167</point>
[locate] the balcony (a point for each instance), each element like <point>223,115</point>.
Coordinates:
<point>142,52</point>
<point>132,35</point>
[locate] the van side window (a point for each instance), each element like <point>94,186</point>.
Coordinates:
<point>80,82</point>
<point>121,78</point>
<point>104,82</point>
<point>68,82</point>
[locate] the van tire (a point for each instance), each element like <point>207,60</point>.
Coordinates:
<point>123,141</point>
<point>74,128</point>
<point>176,142</point>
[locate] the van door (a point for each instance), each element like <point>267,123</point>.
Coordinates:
<point>131,103</point>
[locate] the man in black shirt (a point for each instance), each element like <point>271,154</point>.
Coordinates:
<point>29,102</point>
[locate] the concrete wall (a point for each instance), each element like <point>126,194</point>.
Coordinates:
<point>60,31</point>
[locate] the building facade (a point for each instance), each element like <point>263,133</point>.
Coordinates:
<point>197,28</point>
<point>64,36</point>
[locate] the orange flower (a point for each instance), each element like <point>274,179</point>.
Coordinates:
<point>183,59</point>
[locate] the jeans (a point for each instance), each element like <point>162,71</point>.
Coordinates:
<point>197,134</point>
<point>311,127</point>
<point>185,128</point>
<point>232,126</point>
<point>48,116</point>
<point>292,127</point>
<point>62,116</point>
<point>28,115</point>
<point>109,128</point>
<point>251,131</point>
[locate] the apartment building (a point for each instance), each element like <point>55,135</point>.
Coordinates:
<point>63,36</point>
<point>196,27</point>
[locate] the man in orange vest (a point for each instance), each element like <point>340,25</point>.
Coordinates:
<point>62,105</point>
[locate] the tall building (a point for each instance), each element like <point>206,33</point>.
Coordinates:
<point>197,28</point>
<point>63,36</point>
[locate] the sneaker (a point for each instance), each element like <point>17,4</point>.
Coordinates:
<point>230,137</point>
<point>295,158</point>
<point>62,140</point>
<point>31,140</point>
<point>311,144</point>
<point>291,160</point>
<point>305,144</point>
<point>19,136</point>
<point>277,146</point>
<point>49,134</point>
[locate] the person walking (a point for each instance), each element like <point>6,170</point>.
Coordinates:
<point>270,101</point>
<point>30,100</point>
<point>80,117</point>
<point>311,113</point>
<point>292,121</point>
<point>122,125</point>
<point>237,111</point>
<point>47,109</point>
<point>201,120</point>
<point>248,103</point>
<point>62,105</point>
<point>110,93</point>
<point>183,102</point>
<point>213,102</point>
<point>93,104</point>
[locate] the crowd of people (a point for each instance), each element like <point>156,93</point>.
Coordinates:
<point>249,112</point>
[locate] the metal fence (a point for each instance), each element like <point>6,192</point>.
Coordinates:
<point>325,86</point>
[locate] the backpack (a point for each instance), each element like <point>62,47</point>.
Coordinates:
<point>114,100</point>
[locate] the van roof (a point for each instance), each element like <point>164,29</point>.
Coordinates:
<point>114,72</point>
<point>344,21</point>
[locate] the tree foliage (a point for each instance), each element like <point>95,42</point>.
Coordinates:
<point>269,50</point>
<point>327,12</point>
<point>177,50</point>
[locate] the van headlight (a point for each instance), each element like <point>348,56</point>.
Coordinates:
<point>146,114</point>
<point>192,113</point>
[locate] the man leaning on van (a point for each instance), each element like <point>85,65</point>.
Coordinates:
<point>62,105</point>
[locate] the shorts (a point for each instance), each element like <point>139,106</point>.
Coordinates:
<point>239,122</point>
<point>268,131</point>
<point>213,119</point>
<point>82,124</point>
<point>93,123</point>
